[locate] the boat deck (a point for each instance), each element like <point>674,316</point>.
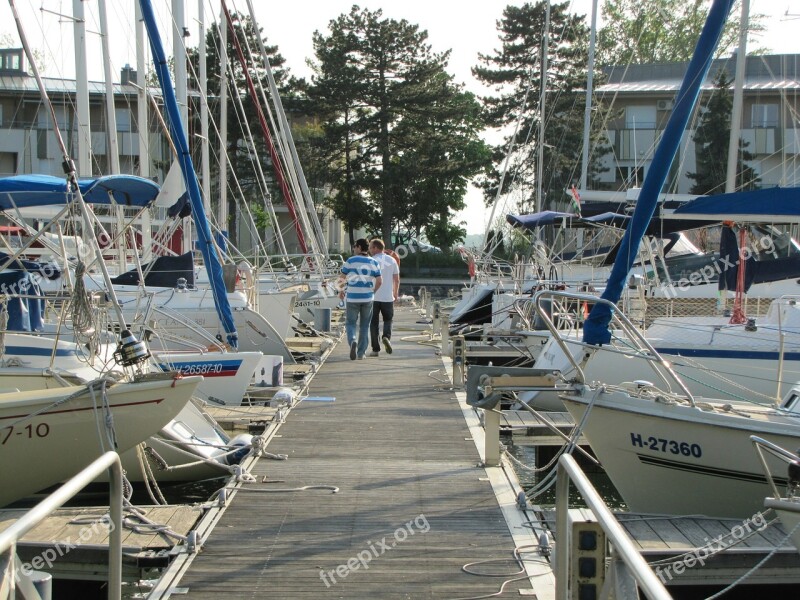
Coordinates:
<point>411,505</point>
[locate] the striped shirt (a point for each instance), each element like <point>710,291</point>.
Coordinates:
<point>361,272</point>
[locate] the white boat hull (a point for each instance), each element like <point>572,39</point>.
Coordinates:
<point>191,442</point>
<point>42,450</point>
<point>732,373</point>
<point>226,376</point>
<point>676,459</point>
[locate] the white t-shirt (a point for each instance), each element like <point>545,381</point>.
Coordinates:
<point>389,268</point>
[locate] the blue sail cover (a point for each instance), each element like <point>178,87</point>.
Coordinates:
<point>178,135</point>
<point>546,217</point>
<point>770,205</point>
<point>21,191</point>
<point>608,218</point>
<point>595,328</point>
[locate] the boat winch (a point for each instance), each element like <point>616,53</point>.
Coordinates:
<point>130,350</point>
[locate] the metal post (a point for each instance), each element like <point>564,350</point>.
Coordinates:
<point>437,317</point>
<point>458,361</point>
<point>115,539</point>
<point>568,470</point>
<point>34,516</point>
<point>562,543</point>
<point>491,428</point>
<point>445,333</point>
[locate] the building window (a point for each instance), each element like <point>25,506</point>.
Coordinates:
<point>764,115</point>
<point>630,176</point>
<point>123,118</point>
<point>11,59</point>
<point>640,117</point>
<point>41,143</point>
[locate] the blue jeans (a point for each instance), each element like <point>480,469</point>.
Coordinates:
<point>361,313</point>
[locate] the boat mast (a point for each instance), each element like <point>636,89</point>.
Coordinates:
<point>112,144</point>
<point>222,209</point>
<point>587,112</point>
<point>69,169</point>
<point>205,161</point>
<point>178,134</point>
<point>738,93</point>
<point>539,201</point>
<point>179,62</point>
<point>81,91</point>
<point>143,126</point>
<point>285,137</point>
<point>276,162</point>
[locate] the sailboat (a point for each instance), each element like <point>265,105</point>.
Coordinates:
<point>664,449</point>
<point>48,435</point>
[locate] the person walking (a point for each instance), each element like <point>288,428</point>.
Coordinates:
<point>383,304</point>
<point>360,279</point>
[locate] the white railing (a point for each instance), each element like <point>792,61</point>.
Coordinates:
<point>8,538</point>
<point>569,471</point>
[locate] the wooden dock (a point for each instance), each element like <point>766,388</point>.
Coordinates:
<point>77,540</point>
<point>732,547</point>
<point>411,507</point>
<point>527,429</point>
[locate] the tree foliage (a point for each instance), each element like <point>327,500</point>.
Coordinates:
<point>659,31</point>
<point>401,138</point>
<point>515,72</point>
<point>711,137</point>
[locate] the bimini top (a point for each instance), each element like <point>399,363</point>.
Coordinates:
<point>546,217</point>
<point>23,191</point>
<point>770,205</point>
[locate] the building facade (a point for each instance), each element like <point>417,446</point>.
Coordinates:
<point>29,145</point>
<point>640,99</point>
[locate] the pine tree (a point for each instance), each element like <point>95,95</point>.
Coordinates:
<point>712,139</point>
<point>515,70</point>
<point>402,137</point>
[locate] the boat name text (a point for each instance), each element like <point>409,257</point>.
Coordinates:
<point>667,446</point>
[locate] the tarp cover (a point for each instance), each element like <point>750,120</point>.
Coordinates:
<point>45,190</point>
<point>547,217</point>
<point>165,272</point>
<point>771,205</point>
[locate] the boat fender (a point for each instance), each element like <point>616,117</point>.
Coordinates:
<point>283,396</point>
<point>243,441</point>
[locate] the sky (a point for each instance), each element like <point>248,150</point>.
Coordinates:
<point>466,27</point>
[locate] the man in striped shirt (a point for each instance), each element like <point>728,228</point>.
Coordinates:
<point>363,278</point>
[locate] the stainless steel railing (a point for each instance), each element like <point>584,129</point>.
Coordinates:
<point>569,471</point>
<point>643,349</point>
<point>8,538</point>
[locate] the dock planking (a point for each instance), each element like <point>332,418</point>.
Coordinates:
<point>664,540</point>
<point>79,539</point>
<point>413,506</point>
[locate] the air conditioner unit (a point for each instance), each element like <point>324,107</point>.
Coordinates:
<point>664,104</point>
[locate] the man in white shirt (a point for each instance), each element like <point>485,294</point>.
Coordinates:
<point>383,301</point>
